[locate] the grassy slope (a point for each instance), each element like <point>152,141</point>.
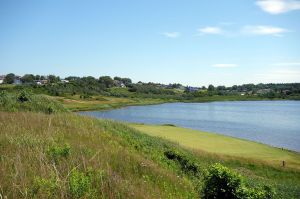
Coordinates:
<point>131,164</point>
<point>25,139</point>
<point>224,145</point>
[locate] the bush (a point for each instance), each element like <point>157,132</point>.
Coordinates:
<point>79,183</point>
<point>187,165</point>
<point>44,186</point>
<point>56,152</point>
<point>221,182</point>
<point>24,96</point>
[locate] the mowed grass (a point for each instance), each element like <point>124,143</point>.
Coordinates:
<point>75,103</point>
<point>225,145</point>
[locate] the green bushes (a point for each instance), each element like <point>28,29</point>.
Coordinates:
<point>187,165</point>
<point>56,152</point>
<point>79,183</point>
<point>48,187</point>
<point>221,182</point>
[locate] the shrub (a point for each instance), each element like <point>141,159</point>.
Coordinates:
<point>24,96</point>
<point>43,186</point>
<point>79,183</point>
<point>56,152</point>
<point>187,165</point>
<point>221,182</point>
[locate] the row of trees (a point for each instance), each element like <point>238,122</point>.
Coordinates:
<point>30,78</point>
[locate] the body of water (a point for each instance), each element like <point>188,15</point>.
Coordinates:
<point>276,123</point>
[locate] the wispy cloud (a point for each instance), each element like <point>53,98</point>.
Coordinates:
<point>224,65</point>
<point>210,30</point>
<point>264,30</point>
<point>278,6</point>
<point>171,34</point>
<point>287,64</point>
<point>286,75</point>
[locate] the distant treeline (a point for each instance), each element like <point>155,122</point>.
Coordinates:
<point>124,87</point>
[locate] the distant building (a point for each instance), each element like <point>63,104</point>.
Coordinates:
<point>64,81</point>
<point>192,89</point>
<point>17,80</point>
<point>264,91</point>
<point>119,83</point>
<point>2,77</point>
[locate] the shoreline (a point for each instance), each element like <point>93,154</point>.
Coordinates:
<point>99,106</point>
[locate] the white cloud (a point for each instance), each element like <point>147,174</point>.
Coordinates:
<point>264,30</point>
<point>210,30</point>
<point>171,34</point>
<point>278,6</point>
<point>224,65</point>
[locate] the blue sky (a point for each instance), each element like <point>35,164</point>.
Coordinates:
<point>190,42</point>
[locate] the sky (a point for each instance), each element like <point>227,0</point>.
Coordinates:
<point>192,42</point>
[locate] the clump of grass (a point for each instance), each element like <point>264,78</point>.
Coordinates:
<point>55,152</point>
<point>169,125</point>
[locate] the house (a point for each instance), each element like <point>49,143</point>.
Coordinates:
<point>192,89</point>
<point>2,77</point>
<point>64,81</point>
<point>17,80</point>
<point>119,83</point>
<point>263,91</point>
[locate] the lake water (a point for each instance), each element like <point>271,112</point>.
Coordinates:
<point>276,123</point>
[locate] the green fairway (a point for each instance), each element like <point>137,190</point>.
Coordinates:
<point>223,145</point>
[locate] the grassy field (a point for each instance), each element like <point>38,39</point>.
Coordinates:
<point>218,144</point>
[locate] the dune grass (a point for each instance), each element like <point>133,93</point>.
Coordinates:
<point>225,145</point>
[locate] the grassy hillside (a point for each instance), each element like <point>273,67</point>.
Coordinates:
<point>26,101</point>
<point>71,156</point>
<point>224,145</point>
<point>63,156</point>
<point>99,102</point>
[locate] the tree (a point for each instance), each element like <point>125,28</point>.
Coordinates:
<point>211,87</point>
<point>28,78</point>
<point>53,79</point>
<point>118,78</point>
<point>9,78</point>
<point>126,81</point>
<point>107,81</point>
<point>37,77</point>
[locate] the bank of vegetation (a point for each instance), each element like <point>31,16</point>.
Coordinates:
<point>87,87</point>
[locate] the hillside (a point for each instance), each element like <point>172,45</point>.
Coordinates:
<point>70,156</point>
